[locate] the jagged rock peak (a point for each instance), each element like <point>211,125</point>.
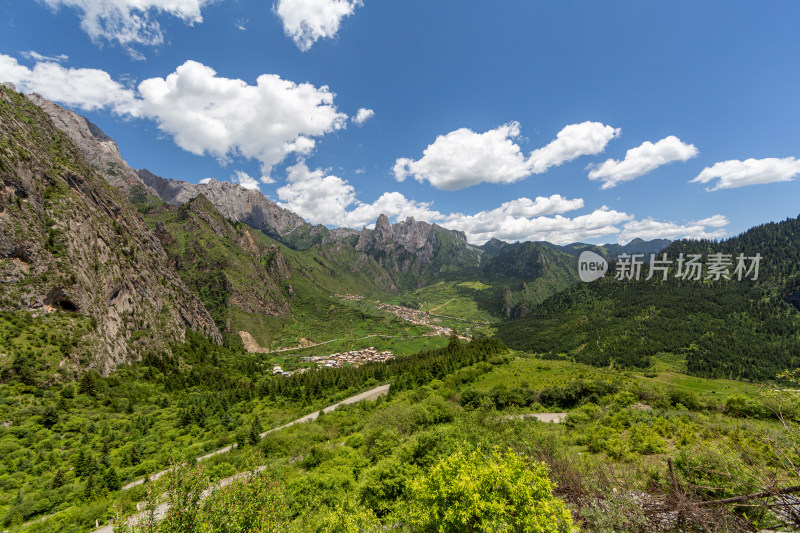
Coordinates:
<point>9,85</point>
<point>383,223</point>
<point>235,203</point>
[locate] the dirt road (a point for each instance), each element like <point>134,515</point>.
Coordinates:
<point>372,394</point>
<point>555,418</point>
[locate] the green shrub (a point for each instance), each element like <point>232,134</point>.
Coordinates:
<point>492,492</point>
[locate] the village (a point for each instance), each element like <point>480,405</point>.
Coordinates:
<point>415,316</point>
<point>339,360</point>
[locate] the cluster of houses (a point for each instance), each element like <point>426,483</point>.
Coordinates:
<point>354,358</point>
<point>278,371</point>
<point>338,360</point>
<point>353,297</point>
<point>415,316</point>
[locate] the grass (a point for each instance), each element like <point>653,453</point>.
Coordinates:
<point>449,298</point>
<point>399,346</point>
<point>539,373</point>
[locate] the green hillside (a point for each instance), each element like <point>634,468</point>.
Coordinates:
<point>740,330</point>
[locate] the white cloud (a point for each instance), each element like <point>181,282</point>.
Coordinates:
<point>245,180</point>
<point>735,173</point>
<point>36,56</point>
<point>206,113</point>
<point>641,160</point>
<point>84,88</point>
<point>130,22</point>
<point>648,228</point>
<point>326,199</point>
<point>525,207</point>
<point>502,224</point>
<point>363,115</point>
<point>307,21</point>
<point>203,112</point>
<point>717,221</point>
<point>574,140</point>
<point>321,198</point>
<point>317,197</point>
<point>241,24</point>
<point>463,158</point>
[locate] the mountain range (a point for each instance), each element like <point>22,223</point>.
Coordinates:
<point>147,256</point>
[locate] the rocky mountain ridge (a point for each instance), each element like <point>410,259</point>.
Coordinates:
<point>71,241</point>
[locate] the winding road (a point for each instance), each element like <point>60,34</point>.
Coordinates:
<point>161,510</point>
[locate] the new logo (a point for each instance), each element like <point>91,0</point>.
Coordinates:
<point>591,266</point>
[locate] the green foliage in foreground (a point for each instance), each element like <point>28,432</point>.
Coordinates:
<point>252,503</point>
<point>426,459</point>
<point>493,492</point>
<point>72,445</point>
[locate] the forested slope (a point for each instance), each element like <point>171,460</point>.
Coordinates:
<point>724,328</point>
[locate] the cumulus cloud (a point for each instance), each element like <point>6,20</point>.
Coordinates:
<point>84,88</point>
<point>501,224</point>
<point>206,113</point>
<point>573,141</point>
<point>525,207</point>
<point>463,158</point>
<point>717,221</point>
<point>307,21</point>
<point>245,180</point>
<point>735,173</point>
<point>130,22</point>
<point>648,228</point>
<point>641,160</point>
<point>321,198</point>
<point>363,115</point>
<point>203,112</point>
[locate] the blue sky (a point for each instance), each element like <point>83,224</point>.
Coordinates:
<point>463,103</point>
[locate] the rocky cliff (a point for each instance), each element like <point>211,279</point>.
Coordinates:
<point>414,251</point>
<point>70,242</point>
<point>242,205</point>
<point>410,251</point>
<point>100,149</point>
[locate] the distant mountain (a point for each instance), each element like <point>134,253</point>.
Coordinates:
<point>243,205</point>
<point>408,254</point>
<point>415,252</point>
<point>70,241</point>
<point>611,251</point>
<point>735,329</point>
<point>250,282</point>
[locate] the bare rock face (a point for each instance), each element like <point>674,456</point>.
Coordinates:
<point>415,249</point>
<point>71,242</point>
<point>100,149</point>
<point>237,203</point>
<point>406,249</point>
